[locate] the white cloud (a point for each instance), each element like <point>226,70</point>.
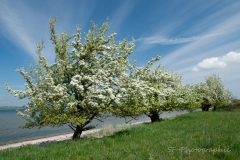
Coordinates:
<point>229,76</point>
<point>170,41</point>
<point>216,62</point>
<point>15,29</point>
<point>231,57</point>
<point>214,36</point>
<point>120,14</point>
<point>195,69</point>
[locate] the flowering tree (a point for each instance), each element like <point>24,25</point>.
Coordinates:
<point>82,84</point>
<point>213,93</point>
<point>188,98</point>
<point>163,91</point>
<point>220,95</point>
<point>135,100</point>
<point>205,94</point>
<point>165,84</point>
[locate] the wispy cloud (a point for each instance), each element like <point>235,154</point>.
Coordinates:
<point>171,41</point>
<point>120,15</point>
<point>15,30</point>
<point>214,30</point>
<point>26,32</point>
<point>203,47</point>
<point>217,62</point>
<point>214,39</point>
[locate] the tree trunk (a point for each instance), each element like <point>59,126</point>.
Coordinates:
<point>77,133</point>
<point>214,108</point>
<point>205,107</point>
<point>154,116</point>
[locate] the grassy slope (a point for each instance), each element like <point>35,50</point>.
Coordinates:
<point>199,130</point>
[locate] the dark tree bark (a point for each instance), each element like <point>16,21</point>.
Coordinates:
<point>77,133</point>
<point>205,107</point>
<point>154,116</point>
<point>214,108</point>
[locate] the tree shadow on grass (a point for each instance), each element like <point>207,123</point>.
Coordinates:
<point>121,133</point>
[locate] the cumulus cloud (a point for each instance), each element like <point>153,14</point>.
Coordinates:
<point>214,62</point>
<point>231,57</point>
<point>217,62</point>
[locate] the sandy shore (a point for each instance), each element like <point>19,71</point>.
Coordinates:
<point>65,136</point>
<point>47,139</point>
<point>56,138</point>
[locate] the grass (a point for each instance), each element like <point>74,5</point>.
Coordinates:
<point>107,130</point>
<point>198,135</point>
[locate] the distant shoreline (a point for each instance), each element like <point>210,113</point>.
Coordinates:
<point>9,108</point>
<point>65,136</point>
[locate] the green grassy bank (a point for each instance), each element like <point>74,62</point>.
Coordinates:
<point>198,135</point>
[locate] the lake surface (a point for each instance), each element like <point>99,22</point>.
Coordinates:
<point>10,122</point>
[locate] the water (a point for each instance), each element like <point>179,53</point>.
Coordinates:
<point>11,133</point>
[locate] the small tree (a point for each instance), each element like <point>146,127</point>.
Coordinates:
<point>205,94</point>
<point>134,102</point>
<point>220,95</point>
<point>164,91</point>
<point>188,98</point>
<point>235,104</point>
<point>213,93</point>
<point>83,84</point>
<point>164,97</point>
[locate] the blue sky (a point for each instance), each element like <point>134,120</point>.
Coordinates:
<point>195,38</point>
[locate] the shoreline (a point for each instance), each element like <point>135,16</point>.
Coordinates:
<point>68,136</point>
<point>58,138</point>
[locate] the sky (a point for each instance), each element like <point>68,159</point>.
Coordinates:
<point>194,38</point>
